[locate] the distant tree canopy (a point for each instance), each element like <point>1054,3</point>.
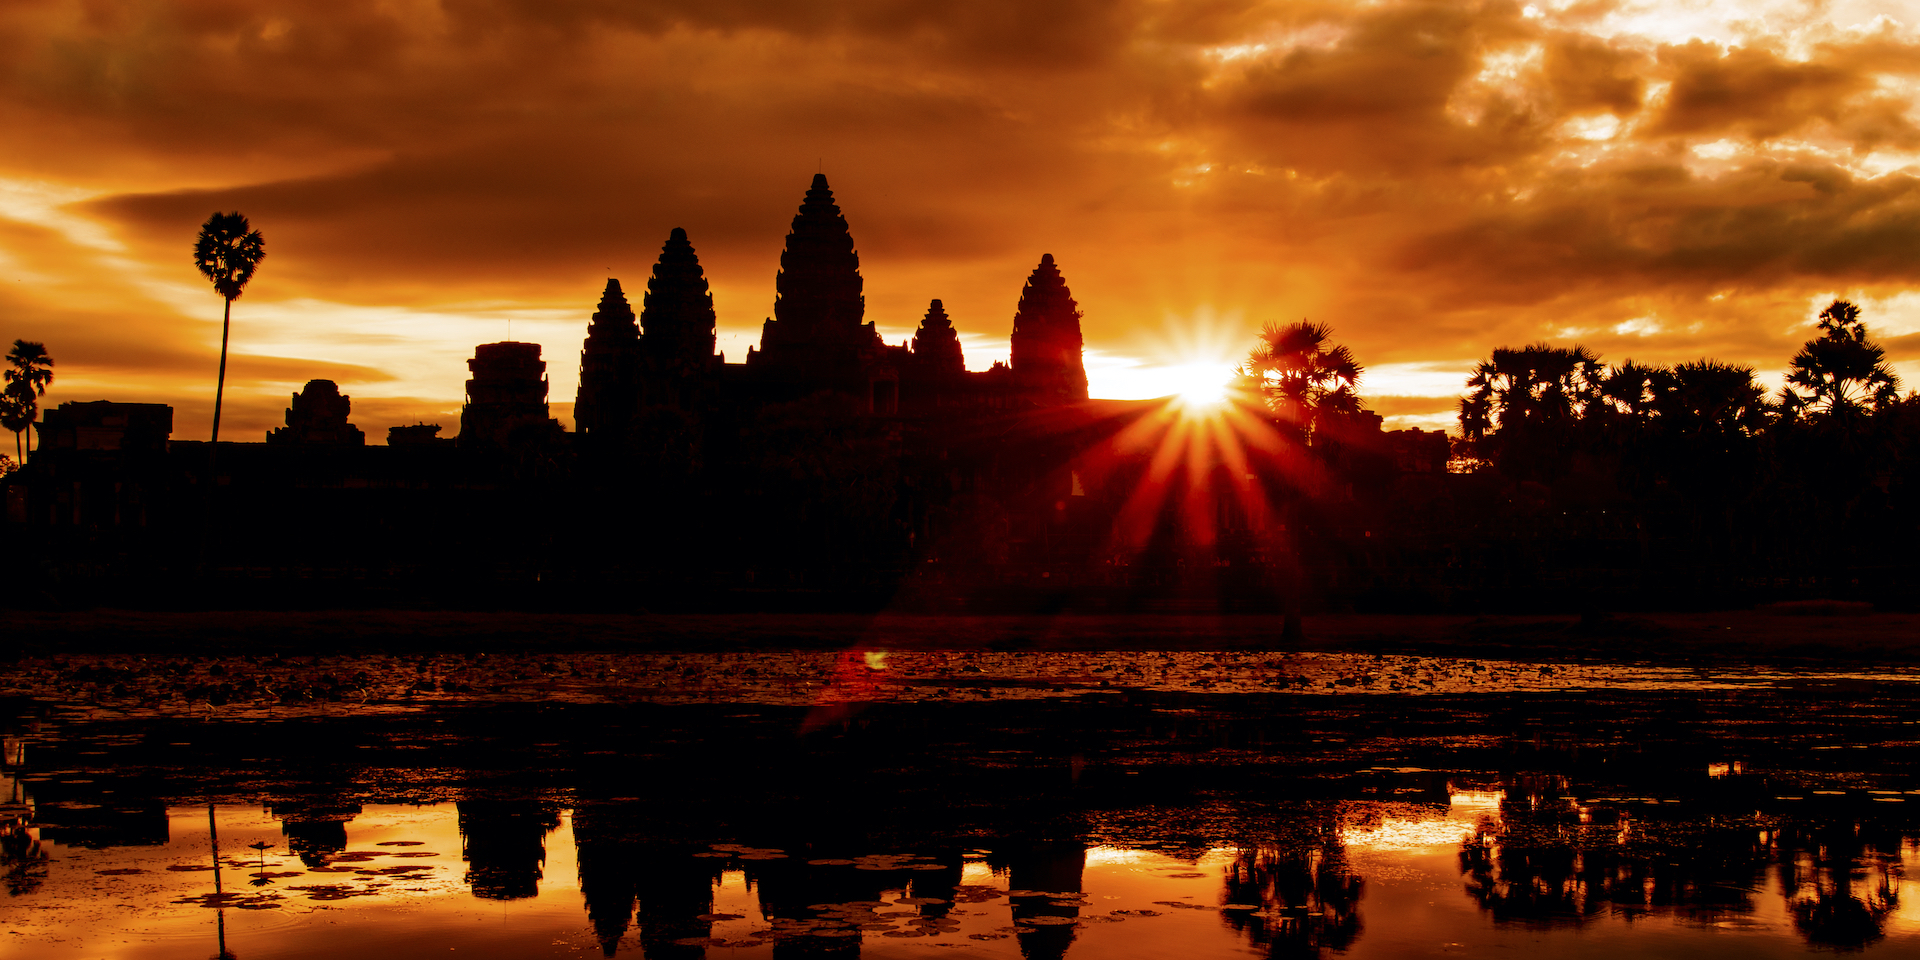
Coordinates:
<point>1528,402</point>
<point>1828,466</point>
<point>1531,409</point>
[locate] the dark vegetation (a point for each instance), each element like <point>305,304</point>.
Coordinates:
<point>1694,472</point>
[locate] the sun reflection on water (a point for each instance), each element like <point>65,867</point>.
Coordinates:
<point>1399,833</point>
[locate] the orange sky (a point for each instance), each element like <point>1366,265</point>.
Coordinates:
<point>1661,181</point>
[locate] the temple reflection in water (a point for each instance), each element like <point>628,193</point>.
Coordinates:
<point>824,857</point>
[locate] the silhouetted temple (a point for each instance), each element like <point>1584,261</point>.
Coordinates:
<point>508,392</point>
<point>829,468</point>
<point>609,370</point>
<point>936,348</point>
<point>818,342</point>
<point>319,416</point>
<point>818,332</point>
<point>1046,358</point>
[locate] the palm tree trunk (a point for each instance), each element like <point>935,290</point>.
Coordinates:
<point>220,385</point>
<point>213,448</point>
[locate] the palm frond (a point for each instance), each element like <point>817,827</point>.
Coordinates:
<point>227,252</point>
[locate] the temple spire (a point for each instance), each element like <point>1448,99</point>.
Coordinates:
<point>819,305</point>
<point>678,320</point>
<point>609,368</point>
<point>936,345</point>
<point>1046,356</point>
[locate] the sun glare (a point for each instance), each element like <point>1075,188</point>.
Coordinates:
<point>1200,384</point>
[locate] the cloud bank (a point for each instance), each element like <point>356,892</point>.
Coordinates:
<point>1658,181</point>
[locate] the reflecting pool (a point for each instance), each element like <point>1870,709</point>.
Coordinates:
<point>1131,819</point>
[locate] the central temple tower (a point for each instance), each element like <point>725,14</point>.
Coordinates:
<point>1047,362</point>
<point>818,324</point>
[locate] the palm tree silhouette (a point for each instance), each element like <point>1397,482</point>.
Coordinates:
<point>16,414</point>
<point>1303,379</point>
<point>227,252</point>
<point>1533,384</point>
<point>1709,401</point>
<point>29,371</point>
<point>1528,403</point>
<point>1842,372</point>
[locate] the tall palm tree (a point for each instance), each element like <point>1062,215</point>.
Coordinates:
<point>1842,372</point>
<point>29,372</point>
<point>1302,377</point>
<point>1307,384</point>
<point>227,252</point>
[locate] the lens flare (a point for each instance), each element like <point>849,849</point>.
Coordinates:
<point>1201,385</point>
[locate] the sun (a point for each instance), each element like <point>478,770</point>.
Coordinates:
<point>1190,360</point>
<point>1201,385</point>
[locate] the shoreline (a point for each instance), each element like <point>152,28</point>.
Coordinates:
<point>1796,633</point>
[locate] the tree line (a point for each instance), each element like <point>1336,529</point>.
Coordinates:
<point>1693,465</point>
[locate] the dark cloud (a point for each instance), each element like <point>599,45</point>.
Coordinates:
<point>1379,97</point>
<point>1757,93</point>
<point>1654,227</point>
<point>1586,73</point>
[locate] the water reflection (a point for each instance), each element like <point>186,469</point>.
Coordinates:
<point>1551,858</point>
<point>1151,827</point>
<point>1842,880</point>
<point>1300,891</point>
<point>504,842</point>
<point>1307,893</point>
<point>315,830</point>
<point>1044,878</point>
<point>21,854</point>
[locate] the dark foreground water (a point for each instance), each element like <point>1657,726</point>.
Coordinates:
<point>1093,806</point>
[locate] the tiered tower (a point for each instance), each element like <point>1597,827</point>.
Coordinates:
<point>609,371</point>
<point>1047,363</point>
<point>936,346</point>
<point>319,416</point>
<point>817,323</point>
<point>508,389</point>
<point>677,320</point>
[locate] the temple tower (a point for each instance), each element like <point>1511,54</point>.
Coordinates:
<point>1047,363</point>
<point>936,345</point>
<point>319,416</point>
<point>677,321</point>
<point>609,370</point>
<point>508,389</point>
<point>818,316</point>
